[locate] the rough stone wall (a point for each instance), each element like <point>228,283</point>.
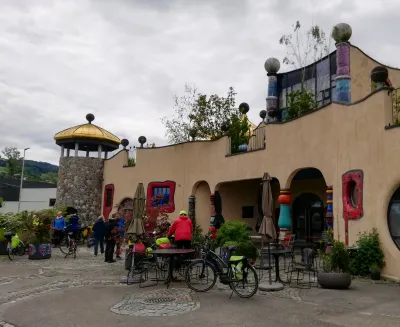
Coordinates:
<point>80,182</point>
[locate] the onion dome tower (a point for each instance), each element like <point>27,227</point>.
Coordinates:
<point>80,178</point>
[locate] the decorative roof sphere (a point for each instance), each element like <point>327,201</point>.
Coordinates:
<point>142,139</point>
<point>90,118</point>
<point>379,74</point>
<point>124,143</point>
<point>193,132</point>
<point>225,127</point>
<point>272,113</point>
<point>272,65</point>
<point>263,114</point>
<point>244,108</point>
<point>342,32</point>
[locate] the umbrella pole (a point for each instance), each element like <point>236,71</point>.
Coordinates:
<point>269,263</point>
<point>270,286</point>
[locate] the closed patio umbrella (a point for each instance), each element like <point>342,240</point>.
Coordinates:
<point>267,229</point>
<point>139,203</point>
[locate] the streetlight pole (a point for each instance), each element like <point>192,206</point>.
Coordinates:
<point>22,179</point>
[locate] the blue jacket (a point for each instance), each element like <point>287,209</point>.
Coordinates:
<point>121,225</point>
<point>59,223</point>
<point>99,229</point>
<point>74,225</point>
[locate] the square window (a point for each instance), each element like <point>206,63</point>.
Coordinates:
<point>161,194</point>
<point>248,212</point>
<point>52,202</point>
<point>109,197</point>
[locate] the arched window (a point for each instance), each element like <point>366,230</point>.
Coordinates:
<point>393,216</point>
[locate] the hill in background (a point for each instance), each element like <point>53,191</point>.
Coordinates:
<point>35,171</point>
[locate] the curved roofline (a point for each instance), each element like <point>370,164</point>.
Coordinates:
<point>323,58</point>
<point>312,64</point>
<point>365,54</point>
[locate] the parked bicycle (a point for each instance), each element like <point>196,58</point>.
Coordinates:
<point>235,271</point>
<point>68,244</point>
<point>14,245</point>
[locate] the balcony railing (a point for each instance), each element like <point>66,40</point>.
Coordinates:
<point>256,142</point>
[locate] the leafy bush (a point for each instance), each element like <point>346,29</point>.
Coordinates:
<point>369,254</point>
<point>238,132</point>
<point>299,103</point>
<point>233,231</point>
<point>337,260</point>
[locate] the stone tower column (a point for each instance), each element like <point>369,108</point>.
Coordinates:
<point>341,34</point>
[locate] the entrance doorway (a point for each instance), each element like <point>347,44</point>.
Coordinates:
<point>308,217</point>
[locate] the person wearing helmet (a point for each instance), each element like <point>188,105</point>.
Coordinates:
<point>183,229</point>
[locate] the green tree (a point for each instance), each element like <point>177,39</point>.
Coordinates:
<point>238,131</point>
<point>13,157</point>
<point>199,112</point>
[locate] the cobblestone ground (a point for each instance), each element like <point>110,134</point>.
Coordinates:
<point>24,279</point>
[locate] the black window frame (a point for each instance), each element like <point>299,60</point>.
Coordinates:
<point>392,199</point>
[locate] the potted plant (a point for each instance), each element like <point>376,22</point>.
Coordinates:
<point>335,274</point>
<point>375,272</point>
<point>40,243</point>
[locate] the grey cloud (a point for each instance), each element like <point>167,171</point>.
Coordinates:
<point>123,60</point>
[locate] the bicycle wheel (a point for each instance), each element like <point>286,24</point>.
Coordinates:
<point>10,252</point>
<point>64,245</point>
<point>248,285</point>
<point>200,276</point>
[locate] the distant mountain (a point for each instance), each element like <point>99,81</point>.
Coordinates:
<point>36,167</point>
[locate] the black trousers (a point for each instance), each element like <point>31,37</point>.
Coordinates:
<point>183,244</point>
<point>109,253</point>
<point>57,237</point>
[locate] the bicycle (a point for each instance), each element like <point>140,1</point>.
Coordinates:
<point>234,271</point>
<point>14,245</point>
<point>72,245</point>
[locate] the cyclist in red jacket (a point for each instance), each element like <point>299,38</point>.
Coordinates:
<point>183,229</point>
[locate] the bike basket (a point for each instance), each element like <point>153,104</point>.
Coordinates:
<point>162,240</point>
<point>237,264</point>
<point>15,241</point>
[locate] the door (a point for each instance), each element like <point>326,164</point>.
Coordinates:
<point>308,217</point>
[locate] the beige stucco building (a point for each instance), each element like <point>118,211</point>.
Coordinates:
<point>348,147</point>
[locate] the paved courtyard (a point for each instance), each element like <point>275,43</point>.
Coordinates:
<point>86,292</point>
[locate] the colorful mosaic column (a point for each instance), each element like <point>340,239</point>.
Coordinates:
<point>272,66</point>
<point>284,221</point>
<point>192,209</point>
<point>341,34</point>
<point>329,209</point>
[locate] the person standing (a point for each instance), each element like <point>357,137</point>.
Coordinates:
<point>112,232</point>
<point>121,226</point>
<point>58,226</point>
<point>99,233</point>
<point>74,225</point>
<point>183,229</point>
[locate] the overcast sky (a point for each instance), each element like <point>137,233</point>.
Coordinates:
<point>123,60</point>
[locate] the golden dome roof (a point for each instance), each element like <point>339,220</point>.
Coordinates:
<point>87,131</point>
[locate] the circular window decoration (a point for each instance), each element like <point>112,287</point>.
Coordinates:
<point>352,194</point>
<point>393,217</point>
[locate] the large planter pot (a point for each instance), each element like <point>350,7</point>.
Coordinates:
<point>334,281</point>
<point>39,251</point>
<point>3,248</point>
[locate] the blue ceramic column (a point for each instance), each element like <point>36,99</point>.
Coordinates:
<point>341,34</point>
<point>329,209</point>
<point>285,220</point>
<point>272,66</point>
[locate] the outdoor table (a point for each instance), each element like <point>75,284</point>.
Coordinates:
<point>276,253</point>
<point>171,253</point>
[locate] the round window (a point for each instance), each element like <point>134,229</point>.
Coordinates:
<point>393,217</point>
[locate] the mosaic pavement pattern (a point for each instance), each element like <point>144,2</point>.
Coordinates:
<point>156,303</point>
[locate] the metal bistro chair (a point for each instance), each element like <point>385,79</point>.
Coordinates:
<point>265,263</point>
<point>306,267</point>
